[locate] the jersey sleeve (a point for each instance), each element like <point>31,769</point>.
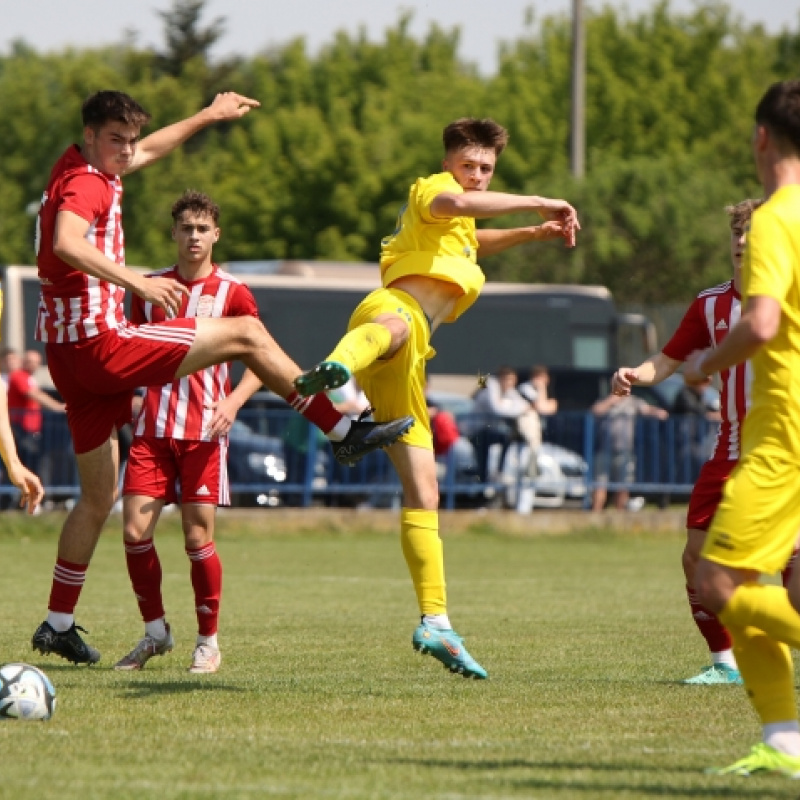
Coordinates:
<point>692,334</point>
<point>242,303</point>
<point>768,268</point>
<point>430,189</point>
<point>88,195</point>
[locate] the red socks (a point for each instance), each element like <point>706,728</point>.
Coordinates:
<point>68,579</point>
<point>317,409</point>
<point>206,575</point>
<point>144,569</point>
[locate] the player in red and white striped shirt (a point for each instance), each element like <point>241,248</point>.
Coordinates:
<point>706,323</point>
<point>97,359</point>
<point>180,439</point>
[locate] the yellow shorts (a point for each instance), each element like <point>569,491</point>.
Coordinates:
<point>757,522</point>
<point>396,388</point>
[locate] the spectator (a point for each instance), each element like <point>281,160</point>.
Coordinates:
<point>25,403</point>
<point>501,398</point>
<point>537,390</point>
<point>9,362</point>
<point>614,452</point>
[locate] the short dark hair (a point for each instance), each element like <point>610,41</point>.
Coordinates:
<point>197,203</point>
<point>740,213</point>
<point>112,106</point>
<point>779,111</point>
<point>471,132</point>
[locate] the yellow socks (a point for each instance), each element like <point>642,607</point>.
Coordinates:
<point>422,548</point>
<point>766,608</point>
<point>768,673</point>
<point>361,346</point>
<point>762,622</point>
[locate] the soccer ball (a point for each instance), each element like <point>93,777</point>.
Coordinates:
<point>25,693</point>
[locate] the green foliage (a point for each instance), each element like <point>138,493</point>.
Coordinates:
<point>320,170</point>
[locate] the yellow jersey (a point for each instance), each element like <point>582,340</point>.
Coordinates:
<point>444,249</point>
<point>771,268</point>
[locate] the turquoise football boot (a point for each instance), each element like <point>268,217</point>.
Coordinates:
<point>448,647</point>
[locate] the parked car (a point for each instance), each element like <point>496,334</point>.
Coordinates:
<point>561,473</point>
<point>256,466</point>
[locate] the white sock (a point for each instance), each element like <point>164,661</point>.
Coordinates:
<point>724,657</point>
<point>157,629</point>
<point>783,736</point>
<point>211,641</point>
<point>340,429</point>
<point>59,621</point>
<point>439,621</point>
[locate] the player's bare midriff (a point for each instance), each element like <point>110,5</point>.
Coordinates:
<point>436,297</point>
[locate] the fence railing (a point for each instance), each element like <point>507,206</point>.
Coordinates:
<point>276,458</point>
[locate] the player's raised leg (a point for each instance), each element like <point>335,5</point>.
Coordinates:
<point>357,349</point>
<point>245,339</point>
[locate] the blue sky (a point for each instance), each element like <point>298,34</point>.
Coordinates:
<point>254,25</point>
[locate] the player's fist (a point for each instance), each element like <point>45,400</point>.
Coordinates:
<point>622,381</point>
<point>166,293</point>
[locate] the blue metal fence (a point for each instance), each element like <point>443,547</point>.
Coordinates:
<point>276,458</point>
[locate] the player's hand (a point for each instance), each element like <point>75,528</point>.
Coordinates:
<point>166,293</point>
<point>30,486</point>
<point>561,211</point>
<point>692,373</point>
<point>230,105</point>
<point>222,419</point>
<point>554,229</point>
<point>622,381</point>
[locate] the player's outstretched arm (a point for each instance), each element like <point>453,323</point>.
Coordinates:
<point>225,107</point>
<point>495,240</point>
<point>651,371</point>
<point>28,483</point>
<point>70,245</point>
<point>225,410</point>
<point>485,205</point>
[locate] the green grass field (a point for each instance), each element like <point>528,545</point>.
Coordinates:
<point>320,694</point>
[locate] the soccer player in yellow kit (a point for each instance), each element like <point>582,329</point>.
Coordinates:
<point>430,276</point>
<point>28,483</point>
<point>756,525</point>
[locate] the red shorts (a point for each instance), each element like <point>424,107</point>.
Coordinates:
<point>96,377</point>
<point>178,470</point>
<point>707,493</point>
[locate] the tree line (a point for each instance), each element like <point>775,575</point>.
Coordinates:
<point>320,170</point>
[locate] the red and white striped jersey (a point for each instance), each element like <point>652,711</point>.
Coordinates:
<point>707,322</point>
<point>72,304</point>
<point>182,409</point>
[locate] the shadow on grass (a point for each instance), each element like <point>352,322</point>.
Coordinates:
<point>729,786</point>
<point>189,686</point>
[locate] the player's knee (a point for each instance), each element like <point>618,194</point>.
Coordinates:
<point>398,329</point>
<point>96,506</point>
<point>711,592</point>
<point>196,536</point>
<point>132,533</point>
<point>253,334</point>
